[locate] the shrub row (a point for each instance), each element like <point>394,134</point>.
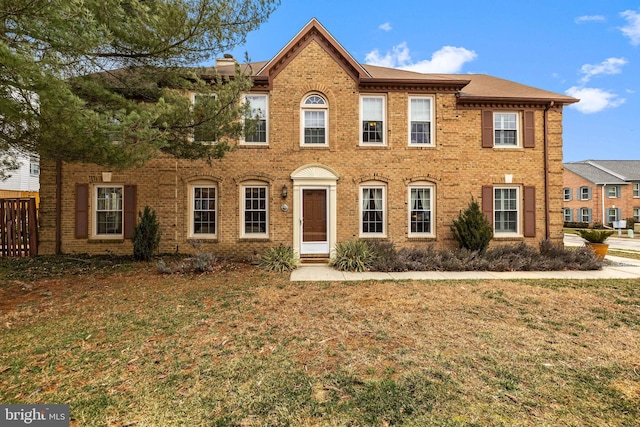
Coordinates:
<point>521,257</point>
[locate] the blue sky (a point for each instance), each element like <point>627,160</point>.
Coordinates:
<point>589,49</point>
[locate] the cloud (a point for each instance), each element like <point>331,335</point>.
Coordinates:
<point>608,66</point>
<point>590,18</point>
<point>448,59</point>
<point>385,27</point>
<point>593,100</point>
<point>632,29</point>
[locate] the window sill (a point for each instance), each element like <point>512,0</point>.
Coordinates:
<point>422,146</point>
<point>422,238</point>
<point>315,147</point>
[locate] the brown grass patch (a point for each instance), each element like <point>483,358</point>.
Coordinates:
<point>245,347</point>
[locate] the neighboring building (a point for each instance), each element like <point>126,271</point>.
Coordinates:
<point>601,191</point>
<point>23,182</point>
<point>343,150</point>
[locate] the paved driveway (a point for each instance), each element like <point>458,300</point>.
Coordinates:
<point>614,242</point>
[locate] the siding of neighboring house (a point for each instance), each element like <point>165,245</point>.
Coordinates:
<point>455,169</point>
<point>23,182</point>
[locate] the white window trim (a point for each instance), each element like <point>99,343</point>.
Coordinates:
<point>582,195</point>
<point>518,232</point>
<point>266,115</point>
<point>636,190</point>
<point>192,186</point>
<point>616,191</point>
<point>432,193</point>
<point>636,214</point>
<point>383,186</point>
<point>566,194</point>
<point>384,121</point>
<point>432,134</point>
<point>518,130</point>
<point>581,213</point>
<point>94,213</point>
<point>254,184</point>
<point>325,109</point>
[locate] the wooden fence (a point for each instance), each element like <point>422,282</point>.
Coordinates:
<point>18,227</point>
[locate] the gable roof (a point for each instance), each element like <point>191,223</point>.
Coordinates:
<point>606,171</point>
<point>471,89</point>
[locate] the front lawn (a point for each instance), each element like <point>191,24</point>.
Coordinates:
<point>126,346</point>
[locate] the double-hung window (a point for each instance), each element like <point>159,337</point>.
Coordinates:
<point>372,114</point>
<point>34,165</point>
<point>506,210</point>
<point>259,112</point>
<point>204,209</point>
<point>420,210</point>
<point>506,129</point>
<point>585,193</point>
<point>108,213</point>
<point>372,210</point>
<point>421,120</point>
<point>636,189</point>
<point>568,214</point>
<point>314,121</point>
<point>255,212</point>
<point>613,191</point>
<point>636,214</point>
<point>567,194</point>
<point>584,215</point>
<point>613,214</point>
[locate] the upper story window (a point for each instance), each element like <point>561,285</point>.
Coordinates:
<point>372,210</point>
<point>506,210</point>
<point>204,208</point>
<point>506,129</point>
<point>567,194</point>
<point>314,120</point>
<point>259,110</point>
<point>585,193</point>
<point>204,128</point>
<point>636,189</point>
<point>420,120</point>
<point>372,119</point>
<point>421,210</point>
<point>613,191</point>
<point>108,212</point>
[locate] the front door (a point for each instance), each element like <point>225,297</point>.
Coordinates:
<point>314,222</point>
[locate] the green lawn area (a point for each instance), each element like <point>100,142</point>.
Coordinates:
<point>126,346</point>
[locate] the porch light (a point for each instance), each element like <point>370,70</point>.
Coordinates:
<point>284,191</point>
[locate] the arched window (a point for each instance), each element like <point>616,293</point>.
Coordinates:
<point>314,121</point>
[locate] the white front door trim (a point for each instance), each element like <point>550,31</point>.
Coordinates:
<point>314,176</point>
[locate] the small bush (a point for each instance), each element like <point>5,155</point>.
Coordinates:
<point>280,258</point>
<point>595,236</point>
<point>201,262</point>
<point>146,235</point>
<point>471,229</point>
<point>353,255</point>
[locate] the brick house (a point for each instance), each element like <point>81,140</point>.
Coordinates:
<point>601,191</point>
<point>343,150</point>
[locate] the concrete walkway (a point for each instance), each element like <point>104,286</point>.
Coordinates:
<point>620,268</point>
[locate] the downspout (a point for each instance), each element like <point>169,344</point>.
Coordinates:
<point>602,198</point>
<point>547,203</point>
<point>58,207</point>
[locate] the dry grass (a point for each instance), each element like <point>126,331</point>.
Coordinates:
<point>245,347</point>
